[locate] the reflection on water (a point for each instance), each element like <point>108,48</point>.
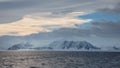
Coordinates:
<point>46,59</point>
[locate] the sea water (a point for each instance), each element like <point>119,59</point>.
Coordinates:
<point>59,59</point>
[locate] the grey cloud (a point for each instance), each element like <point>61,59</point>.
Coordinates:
<point>99,29</point>
<point>115,9</point>
<point>13,10</point>
<point>14,5</point>
<point>106,29</point>
<point>42,4</point>
<point>71,32</point>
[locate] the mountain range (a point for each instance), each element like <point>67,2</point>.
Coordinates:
<point>60,46</point>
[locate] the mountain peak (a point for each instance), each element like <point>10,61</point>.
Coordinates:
<point>84,45</point>
<point>20,46</point>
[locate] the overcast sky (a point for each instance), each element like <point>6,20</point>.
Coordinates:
<point>43,21</point>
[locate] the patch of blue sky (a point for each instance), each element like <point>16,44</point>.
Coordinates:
<point>100,16</point>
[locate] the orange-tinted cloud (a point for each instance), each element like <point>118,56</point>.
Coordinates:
<point>36,23</point>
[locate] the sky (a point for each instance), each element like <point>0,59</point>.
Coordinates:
<point>41,22</point>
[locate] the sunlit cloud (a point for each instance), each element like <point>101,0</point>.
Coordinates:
<point>41,22</point>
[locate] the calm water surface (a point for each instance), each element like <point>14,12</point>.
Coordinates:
<point>59,59</point>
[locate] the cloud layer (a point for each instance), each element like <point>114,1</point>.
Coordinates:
<point>114,9</point>
<point>43,22</point>
<point>13,10</point>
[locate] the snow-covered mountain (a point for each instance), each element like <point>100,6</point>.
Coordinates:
<point>58,45</point>
<point>21,46</point>
<point>72,45</point>
<point>64,46</point>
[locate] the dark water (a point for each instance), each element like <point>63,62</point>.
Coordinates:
<point>64,59</point>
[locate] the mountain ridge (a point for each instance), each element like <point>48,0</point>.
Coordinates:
<point>77,45</point>
<point>58,45</point>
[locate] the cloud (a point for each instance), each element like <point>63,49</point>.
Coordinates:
<point>42,22</point>
<point>13,10</point>
<point>106,29</point>
<point>5,0</point>
<point>103,29</point>
<point>114,9</point>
